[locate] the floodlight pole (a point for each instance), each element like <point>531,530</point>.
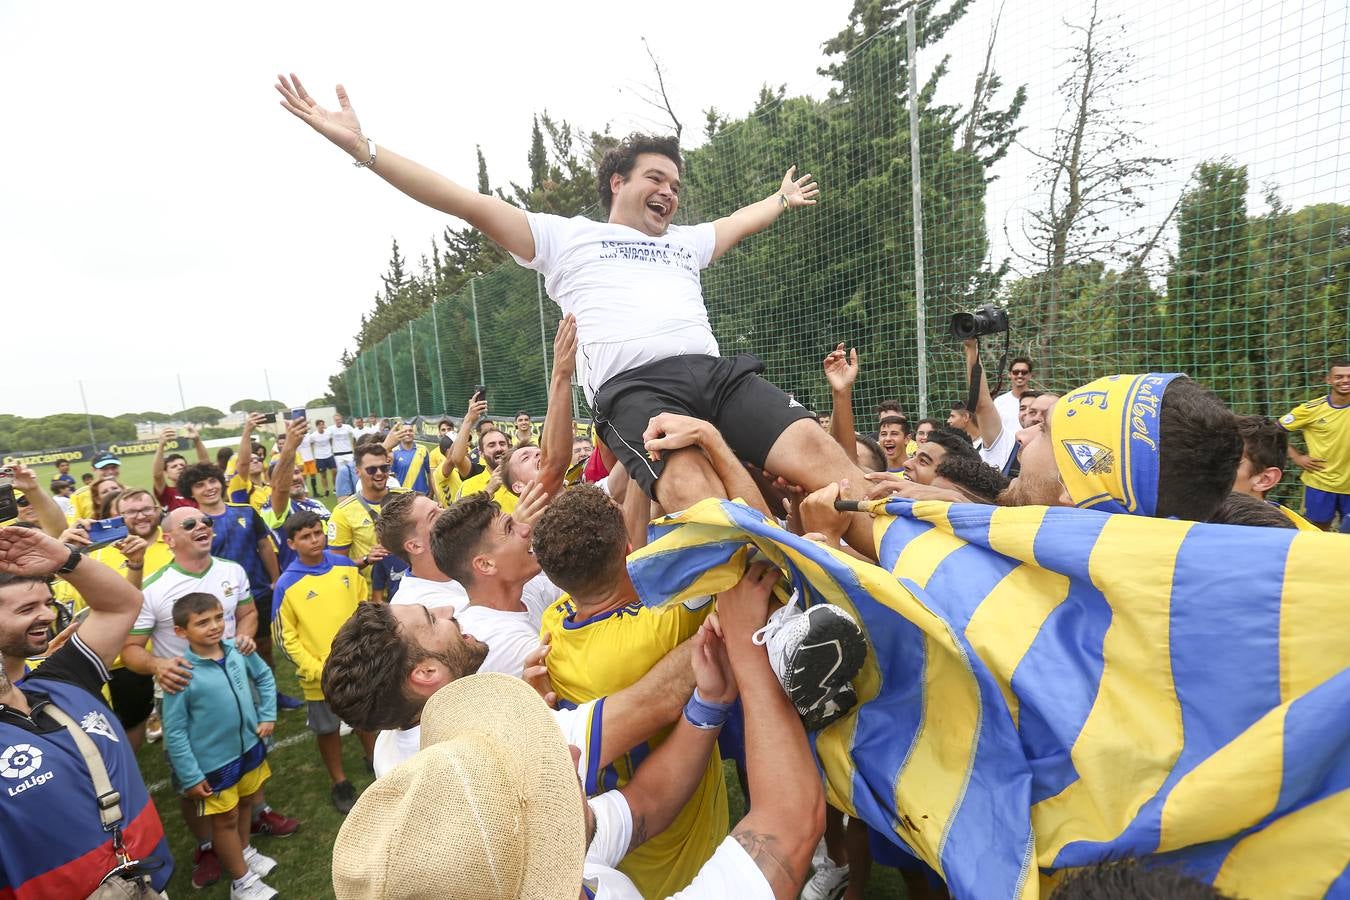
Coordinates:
<point>87,418</point>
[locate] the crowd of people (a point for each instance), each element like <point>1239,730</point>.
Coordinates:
<point>535,725</point>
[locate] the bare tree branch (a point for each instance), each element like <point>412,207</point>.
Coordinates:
<point>661,89</point>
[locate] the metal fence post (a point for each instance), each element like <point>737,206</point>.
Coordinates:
<point>920,312</point>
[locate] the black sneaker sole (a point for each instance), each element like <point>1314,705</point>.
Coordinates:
<point>820,673</point>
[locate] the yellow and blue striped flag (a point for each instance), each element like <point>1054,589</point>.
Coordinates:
<point>1051,688</point>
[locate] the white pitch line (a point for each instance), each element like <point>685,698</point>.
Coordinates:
<point>279,745</point>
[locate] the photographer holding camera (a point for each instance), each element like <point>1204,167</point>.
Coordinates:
<point>978,416</point>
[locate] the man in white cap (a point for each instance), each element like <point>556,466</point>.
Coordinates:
<point>489,746</point>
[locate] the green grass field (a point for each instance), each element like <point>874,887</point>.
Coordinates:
<point>300,787</point>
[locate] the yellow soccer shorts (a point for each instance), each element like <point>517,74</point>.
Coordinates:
<point>226,799</point>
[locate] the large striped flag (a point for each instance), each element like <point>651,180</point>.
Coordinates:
<point>1051,688</point>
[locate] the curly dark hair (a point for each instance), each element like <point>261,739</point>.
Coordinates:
<point>393,525</point>
<point>459,532</point>
<point>196,474</point>
<point>973,475</point>
<point>621,159</point>
<point>580,541</point>
<point>366,674</point>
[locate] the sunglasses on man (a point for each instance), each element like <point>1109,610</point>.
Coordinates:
<point>378,470</point>
<point>190,524</point>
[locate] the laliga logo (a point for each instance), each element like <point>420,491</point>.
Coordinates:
<point>21,761</point>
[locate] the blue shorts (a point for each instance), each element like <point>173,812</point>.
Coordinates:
<point>326,465</point>
<point>1322,506</point>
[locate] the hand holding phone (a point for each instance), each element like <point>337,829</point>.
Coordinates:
<point>103,532</point>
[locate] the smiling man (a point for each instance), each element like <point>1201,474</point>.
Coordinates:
<point>645,345</point>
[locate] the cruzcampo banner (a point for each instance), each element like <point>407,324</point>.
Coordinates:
<point>87,452</point>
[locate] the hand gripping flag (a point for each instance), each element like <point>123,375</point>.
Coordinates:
<point>1052,688</point>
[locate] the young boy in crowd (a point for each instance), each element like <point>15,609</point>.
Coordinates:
<point>316,594</point>
<point>215,737</point>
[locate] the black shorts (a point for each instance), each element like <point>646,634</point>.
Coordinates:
<point>133,696</point>
<point>326,465</point>
<point>263,605</point>
<point>727,391</point>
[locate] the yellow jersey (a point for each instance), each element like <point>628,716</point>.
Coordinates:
<point>599,656</point>
<point>243,490</point>
<point>1326,429</point>
<point>315,602</point>
<point>83,501</point>
<point>352,525</point>
<point>478,483</point>
<point>1300,523</point>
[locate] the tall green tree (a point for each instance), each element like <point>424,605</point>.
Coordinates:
<point>1215,332</point>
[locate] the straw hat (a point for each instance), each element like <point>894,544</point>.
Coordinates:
<point>490,807</point>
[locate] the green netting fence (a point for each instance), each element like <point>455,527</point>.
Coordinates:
<point>1143,186</point>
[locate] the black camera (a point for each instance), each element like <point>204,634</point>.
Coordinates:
<point>987,319</point>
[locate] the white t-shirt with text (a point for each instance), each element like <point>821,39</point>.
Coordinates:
<point>637,298</point>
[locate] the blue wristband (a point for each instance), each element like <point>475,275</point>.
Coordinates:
<point>705,714</point>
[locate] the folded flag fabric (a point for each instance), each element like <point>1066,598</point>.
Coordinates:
<point>1052,688</point>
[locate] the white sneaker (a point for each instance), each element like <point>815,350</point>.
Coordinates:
<point>828,882</point>
<point>815,653</point>
<point>251,888</point>
<point>258,864</point>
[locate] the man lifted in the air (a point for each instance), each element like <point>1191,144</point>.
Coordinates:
<point>644,342</point>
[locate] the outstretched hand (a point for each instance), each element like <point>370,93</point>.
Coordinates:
<point>841,369</point>
<point>799,191</point>
<point>340,126</point>
<point>565,346</point>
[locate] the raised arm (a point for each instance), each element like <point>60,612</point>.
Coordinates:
<point>191,433</point>
<point>499,220</point>
<point>748,220</point>
<point>787,812</point>
<point>841,371</point>
<point>296,430</point>
<point>113,603</point>
<point>666,780</point>
<point>457,460</point>
<point>991,423</point>
<point>555,452</point>
<point>50,517</point>
<point>157,464</point>
<point>243,459</point>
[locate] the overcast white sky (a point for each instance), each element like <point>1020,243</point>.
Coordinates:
<point>163,216</point>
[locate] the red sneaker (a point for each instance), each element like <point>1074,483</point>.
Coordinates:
<point>274,824</point>
<point>205,867</point>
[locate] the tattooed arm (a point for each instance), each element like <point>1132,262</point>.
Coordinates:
<point>787,817</point>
